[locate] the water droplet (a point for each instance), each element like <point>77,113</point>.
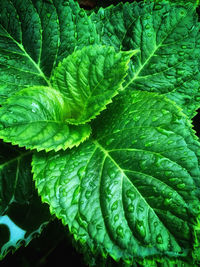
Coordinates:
<point>114,205</point>
<point>81,172</point>
<point>157,7</point>
<point>85,22</point>
<point>131,208</point>
<point>88,194</point>
<point>109,141</point>
<point>116,218</point>
<point>143,165</point>
<point>159,239</point>
<point>155,224</point>
<point>146,17</point>
<point>167,201</point>
<point>130,194</point>
<point>180,72</point>
<point>140,228</point>
<point>52,165</point>
<point>136,118</point>
<point>143,137</point>
<point>82,13</point>
<point>120,231</point>
<point>148,144</point>
<point>154,118</point>
<point>181,186</point>
<point>164,111</point>
<point>181,53</point>
<point>147,26</point>
<point>91,40</point>
<point>164,131</point>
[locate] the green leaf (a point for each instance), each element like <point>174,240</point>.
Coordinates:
<point>35,118</point>
<point>34,37</point>
<point>88,79</point>
<point>132,190</point>
<point>19,202</point>
<point>168,37</point>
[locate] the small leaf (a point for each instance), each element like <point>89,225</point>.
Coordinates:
<point>19,202</point>
<point>35,118</point>
<point>133,189</point>
<point>89,79</point>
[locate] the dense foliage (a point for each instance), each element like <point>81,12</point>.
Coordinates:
<point>96,117</point>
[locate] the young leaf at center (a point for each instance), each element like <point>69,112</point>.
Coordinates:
<point>35,118</point>
<point>89,79</point>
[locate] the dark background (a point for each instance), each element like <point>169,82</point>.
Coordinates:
<point>54,246</point>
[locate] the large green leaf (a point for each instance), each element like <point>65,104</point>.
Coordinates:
<point>35,36</point>
<point>168,37</point>
<point>35,118</point>
<point>19,203</point>
<point>133,189</point>
<point>88,79</point>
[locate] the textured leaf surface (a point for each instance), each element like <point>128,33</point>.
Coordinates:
<point>34,36</point>
<point>168,37</point>
<point>89,79</point>
<point>133,189</point>
<point>19,203</point>
<point>35,118</point>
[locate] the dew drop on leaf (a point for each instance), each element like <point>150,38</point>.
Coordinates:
<point>167,201</point>
<point>131,208</point>
<point>181,53</point>
<point>88,194</point>
<point>81,172</point>
<point>114,206</point>
<point>184,46</point>
<point>91,40</point>
<point>140,228</point>
<point>181,186</point>
<point>130,194</point>
<point>116,218</point>
<point>157,7</point>
<point>159,239</point>
<point>120,231</point>
<point>147,26</point>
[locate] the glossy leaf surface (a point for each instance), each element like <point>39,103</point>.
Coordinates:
<point>88,79</point>
<point>35,118</point>
<point>133,189</point>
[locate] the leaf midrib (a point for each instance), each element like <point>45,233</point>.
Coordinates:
<point>107,155</point>
<point>136,75</point>
<point>18,158</point>
<point>29,57</point>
